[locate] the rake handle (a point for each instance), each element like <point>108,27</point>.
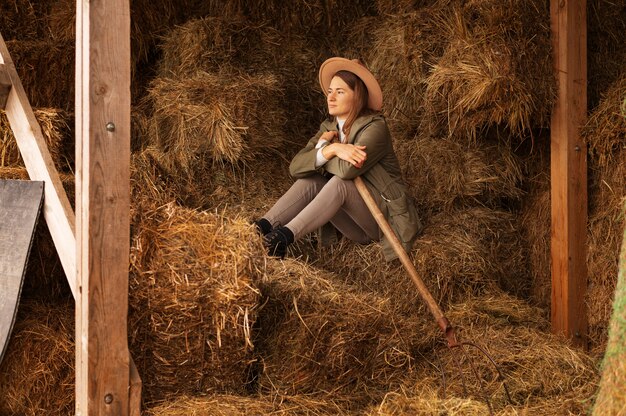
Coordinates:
<point>423,291</point>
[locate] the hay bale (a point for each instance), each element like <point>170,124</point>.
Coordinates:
<point>606,49</point>
<point>442,174</point>
<point>37,372</point>
<point>215,118</point>
<point>192,301</point>
<point>212,43</point>
<point>18,19</point>
<point>607,192</point>
<point>230,405</point>
<point>612,394</point>
<point>57,133</point>
<point>46,69</point>
<point>496,69</point>
<point>462,252</point>
<point>317,336</point>
<point>544,374</point>
<point>394,7</point>
<point>605,130</point>
<point>404,48</point>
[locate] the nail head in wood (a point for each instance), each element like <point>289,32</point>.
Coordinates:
<point>110,127</point>
<point>108,399</point>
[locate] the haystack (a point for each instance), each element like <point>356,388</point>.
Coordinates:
<point>213,43</point>
<point>45,68</point>
<point>192,301</point>
<point>18,20</point>
<point>462,252</point>
<point>612,394</point>
<point>231,405</point>
<point>443,174</point>
<point>37,372</point>
<point>55,127</point>
<point>319,337</point>
<point>544,375</point>
<point>496,69</point>
<point>404,48</point>
<point>215,118</point>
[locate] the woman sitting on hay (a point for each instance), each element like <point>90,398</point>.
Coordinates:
<point>354,141</point>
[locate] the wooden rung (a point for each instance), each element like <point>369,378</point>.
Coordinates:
<point>5,86</point>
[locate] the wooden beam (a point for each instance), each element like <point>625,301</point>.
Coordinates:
<point>103,203</point>
<point>5,86</point>
<point>56,209</point>
<point>569,170</point>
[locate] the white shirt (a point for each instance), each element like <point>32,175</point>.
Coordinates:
<point>320,160</point>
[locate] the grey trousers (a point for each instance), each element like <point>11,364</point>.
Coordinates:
<point>314,201</point>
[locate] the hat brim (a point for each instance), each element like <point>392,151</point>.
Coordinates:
<point>331,66</point>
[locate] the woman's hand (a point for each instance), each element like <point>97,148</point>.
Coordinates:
<point>351,153</point>
<point>328,136</point>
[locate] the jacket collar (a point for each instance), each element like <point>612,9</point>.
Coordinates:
<point>359,123</point>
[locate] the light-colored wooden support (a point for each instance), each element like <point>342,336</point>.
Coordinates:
<point>5,86</point>
<point>569,170</point>
<point>103,366</point>
<point>56,209</point>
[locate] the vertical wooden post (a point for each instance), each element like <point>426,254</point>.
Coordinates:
<point>569,170</point>
<point>102,206</point>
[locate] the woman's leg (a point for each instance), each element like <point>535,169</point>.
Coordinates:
<point>301,193</point>
<point>340,203</point>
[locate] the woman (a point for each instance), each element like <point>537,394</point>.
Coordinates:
<point>354,141</point>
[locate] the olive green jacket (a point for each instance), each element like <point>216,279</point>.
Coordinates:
<point>381,173</point>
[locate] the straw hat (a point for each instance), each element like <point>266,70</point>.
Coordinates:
<point>331,66</point>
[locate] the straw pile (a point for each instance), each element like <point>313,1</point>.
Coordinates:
<point>496,70</point>
<point>229,405</point>
<point>37,372</point>
<point>45,68</point>
<point>226,117</point>
<point>612,395</point>
<point>192,301</point>
<point>55,127</point>
<point>605,133</point>
<point>214,43</point>
<point>442,174</point>
<point>543,374</point>
<point>462,252</point>
<point>606,49</point>
<point>321,337</point>
<point>404,48</point>
<point>18,19</point>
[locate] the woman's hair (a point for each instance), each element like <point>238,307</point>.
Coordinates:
<point>361,97</point>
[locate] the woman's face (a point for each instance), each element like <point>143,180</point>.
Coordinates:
<point>339,98</point>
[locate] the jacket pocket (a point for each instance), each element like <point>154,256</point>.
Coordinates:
<point>403,219</point>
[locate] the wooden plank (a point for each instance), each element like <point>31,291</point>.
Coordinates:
<point>5,86</point>
<point>103,203</point>
<point>569,171</point>
<point>20,204</point>
<point>135,390</point>
<point>56,208</point>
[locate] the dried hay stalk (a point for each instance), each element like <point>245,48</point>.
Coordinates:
<point>230,405</point>
<point>321,337</point>
<point>55,126</point>
<point>193,301</point>
<point>18,19</point>
<point>443,174</point>
<point>224,117</point>
<point>496,70</point>
<point>37,372</point>
<point>45,69</point>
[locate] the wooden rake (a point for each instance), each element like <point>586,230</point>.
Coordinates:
<point>444,324</point>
